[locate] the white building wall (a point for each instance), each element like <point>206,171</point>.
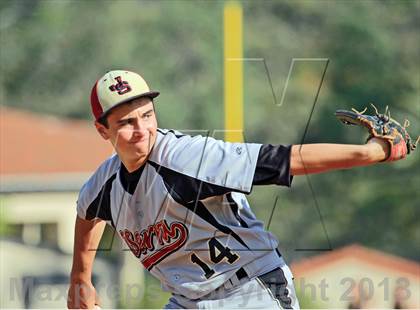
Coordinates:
<point>38,208</point>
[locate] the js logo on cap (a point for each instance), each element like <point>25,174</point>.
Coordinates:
<point>122,86</point>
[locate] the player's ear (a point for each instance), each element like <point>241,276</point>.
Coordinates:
<point>102,130</point>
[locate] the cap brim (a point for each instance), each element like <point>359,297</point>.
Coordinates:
<point>150,94</point>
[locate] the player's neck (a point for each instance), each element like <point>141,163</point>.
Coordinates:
<point>133,165</point>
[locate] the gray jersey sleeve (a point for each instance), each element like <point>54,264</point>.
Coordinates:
<point>91,202</point>
<point>216,162</point>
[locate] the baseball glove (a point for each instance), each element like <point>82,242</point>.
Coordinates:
<point>384,127</point>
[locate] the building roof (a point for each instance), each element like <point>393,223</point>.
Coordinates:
<point>33,145</point>
<point>365,255</point>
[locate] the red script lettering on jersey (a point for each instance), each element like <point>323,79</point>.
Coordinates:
<point>169,237</point>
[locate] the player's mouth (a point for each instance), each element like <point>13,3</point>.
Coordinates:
<point>139,140</point>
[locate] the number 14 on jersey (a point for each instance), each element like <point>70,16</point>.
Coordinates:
<point>218,252</point>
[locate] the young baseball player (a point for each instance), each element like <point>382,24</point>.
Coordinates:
<point>179,202</point>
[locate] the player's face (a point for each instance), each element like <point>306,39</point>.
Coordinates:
<point>132,129</point>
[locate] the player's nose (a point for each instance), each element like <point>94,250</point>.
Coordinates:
<point>139,127</point>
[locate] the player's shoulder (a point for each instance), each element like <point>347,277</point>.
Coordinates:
<point>205,158</point>
<point>170,140</point>
<point>102,174</point>
<point>167,135</point>
<point>170,143</point>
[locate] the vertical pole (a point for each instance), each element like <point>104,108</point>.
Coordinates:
<point>233,72</point>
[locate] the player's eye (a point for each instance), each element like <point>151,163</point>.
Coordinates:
<point>125,122</point>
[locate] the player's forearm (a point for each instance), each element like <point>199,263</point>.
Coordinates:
<point>86,240</point>
<point>317,158</point>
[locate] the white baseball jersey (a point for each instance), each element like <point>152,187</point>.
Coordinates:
<point>184,213</point>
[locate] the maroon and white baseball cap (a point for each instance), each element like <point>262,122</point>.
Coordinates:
<point>117,87</point>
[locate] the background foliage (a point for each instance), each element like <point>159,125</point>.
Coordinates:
<point>52,52</point>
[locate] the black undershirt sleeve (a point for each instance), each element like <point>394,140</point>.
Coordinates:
<point>273,165</point>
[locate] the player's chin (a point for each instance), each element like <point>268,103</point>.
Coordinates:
<point>140,150</point>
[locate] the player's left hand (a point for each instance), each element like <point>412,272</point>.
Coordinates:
<point>382,126</point>
<point>82,295</point>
